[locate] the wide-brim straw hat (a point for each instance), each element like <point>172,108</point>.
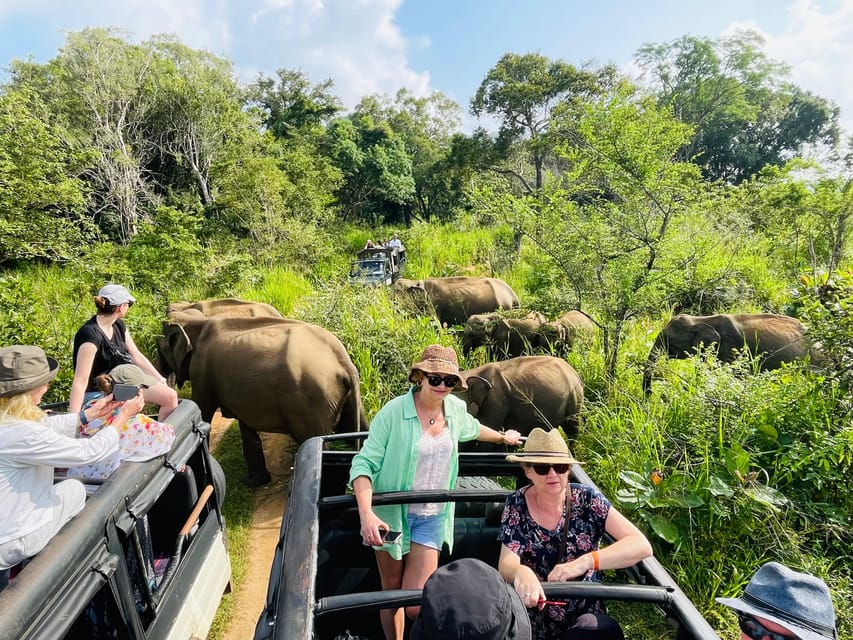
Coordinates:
<point>24,368</point>
<point>438,360</point>
<point>545,447</point>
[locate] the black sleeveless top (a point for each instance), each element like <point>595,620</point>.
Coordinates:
<point>110,353</point>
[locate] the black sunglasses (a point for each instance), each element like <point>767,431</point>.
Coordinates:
<point>449,381</point>
<point>757,631</point>
<point>543,469</point>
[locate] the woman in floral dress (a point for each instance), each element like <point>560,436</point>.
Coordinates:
<point>551,530</point>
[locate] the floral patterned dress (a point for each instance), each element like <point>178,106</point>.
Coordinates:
<point>539,548</point>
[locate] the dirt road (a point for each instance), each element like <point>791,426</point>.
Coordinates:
<point>269,504</point>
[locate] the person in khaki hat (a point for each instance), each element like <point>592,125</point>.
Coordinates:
<point>412,445</point>
<point>33,443</point>
<point>104,343</point>
<point>551,530</point>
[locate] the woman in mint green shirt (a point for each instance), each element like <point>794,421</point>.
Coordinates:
<point>413,444</point>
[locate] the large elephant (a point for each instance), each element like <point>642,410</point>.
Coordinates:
<point>224,307</point>
<point>272,374</point>
<point>773,338</point>
<point>525,392</point>
<point>456,298</point>
<point>558,336</point>
<point>504,335</point>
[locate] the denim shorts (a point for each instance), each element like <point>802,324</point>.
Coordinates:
<point>427,530</point>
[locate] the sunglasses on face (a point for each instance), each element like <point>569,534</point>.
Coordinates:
<point>449,381</point>
<point>543,469</point>
<point>755,630</point>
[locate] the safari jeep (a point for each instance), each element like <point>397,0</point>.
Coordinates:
<point>324,584</point>
<point>378,265</point>
<point>146,558</point>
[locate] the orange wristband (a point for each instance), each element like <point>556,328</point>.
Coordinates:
<point>594,555</point>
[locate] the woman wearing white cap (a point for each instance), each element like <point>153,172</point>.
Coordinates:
<point>104,343</point>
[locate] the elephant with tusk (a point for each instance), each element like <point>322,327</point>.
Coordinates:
<point>271,374</point>
<point>772,338</point>
<point>525,392</point>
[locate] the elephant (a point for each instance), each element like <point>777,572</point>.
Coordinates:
<point>525,392</point>
<point>456,298</point>
<point>504,335</point>
<point>224,307</point>
<point>774,339</point>
<point>512,337</point>
<point>271,374</point>
<point>558,336</point>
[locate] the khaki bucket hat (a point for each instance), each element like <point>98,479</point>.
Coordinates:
<point>24,368</point>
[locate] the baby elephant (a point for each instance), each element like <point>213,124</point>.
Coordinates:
<point>525,392</point>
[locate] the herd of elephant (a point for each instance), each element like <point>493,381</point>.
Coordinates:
<point>275,374</point>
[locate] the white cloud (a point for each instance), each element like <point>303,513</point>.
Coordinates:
<point>818,45</point>
<point>355,43</point>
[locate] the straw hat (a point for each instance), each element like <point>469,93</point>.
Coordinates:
<point>24,368</point>
<point>438,360</point>
<point>546,447</point>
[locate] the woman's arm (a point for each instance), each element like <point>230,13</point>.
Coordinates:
<point>521,577</point>
<point>82,370</point>
<point>362,487</point>
<point>139,358</point>
<point>630,547</point>
<point>487,434</point>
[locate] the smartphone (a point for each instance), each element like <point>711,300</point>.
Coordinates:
<point>391,536</point>
<point>123,392</point>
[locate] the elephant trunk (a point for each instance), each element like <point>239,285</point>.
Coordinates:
<point>658,347</point>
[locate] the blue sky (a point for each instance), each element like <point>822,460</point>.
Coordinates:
<point>378,46</point>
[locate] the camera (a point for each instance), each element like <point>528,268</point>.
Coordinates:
<point>123,392</point>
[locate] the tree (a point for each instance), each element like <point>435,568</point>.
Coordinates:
<point>620,256</point>
<point>744,111</point>
<point>521,91</point>
<point>377,172</point>
<point>293,104</point>
<point>96,88</point>
<point>805,212</point>
<point>426,127</point>
<point>42,202</point>
<point>196,107</point>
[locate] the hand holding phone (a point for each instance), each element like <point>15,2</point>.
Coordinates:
<point>390,536</point>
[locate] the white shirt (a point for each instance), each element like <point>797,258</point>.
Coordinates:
<point>433,470</point>
<point>395,242</point>
<point>28,453</point>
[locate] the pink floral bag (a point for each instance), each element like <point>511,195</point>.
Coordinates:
<point>141,438</point>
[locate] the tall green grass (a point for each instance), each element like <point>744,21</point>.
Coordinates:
<point>722,468</point>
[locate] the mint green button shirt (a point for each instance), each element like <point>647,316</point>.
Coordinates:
<point>389,457</point>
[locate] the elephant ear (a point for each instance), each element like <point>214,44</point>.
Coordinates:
<point>174,349</point>
<point>478,389</point>
<point>705,334</point>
